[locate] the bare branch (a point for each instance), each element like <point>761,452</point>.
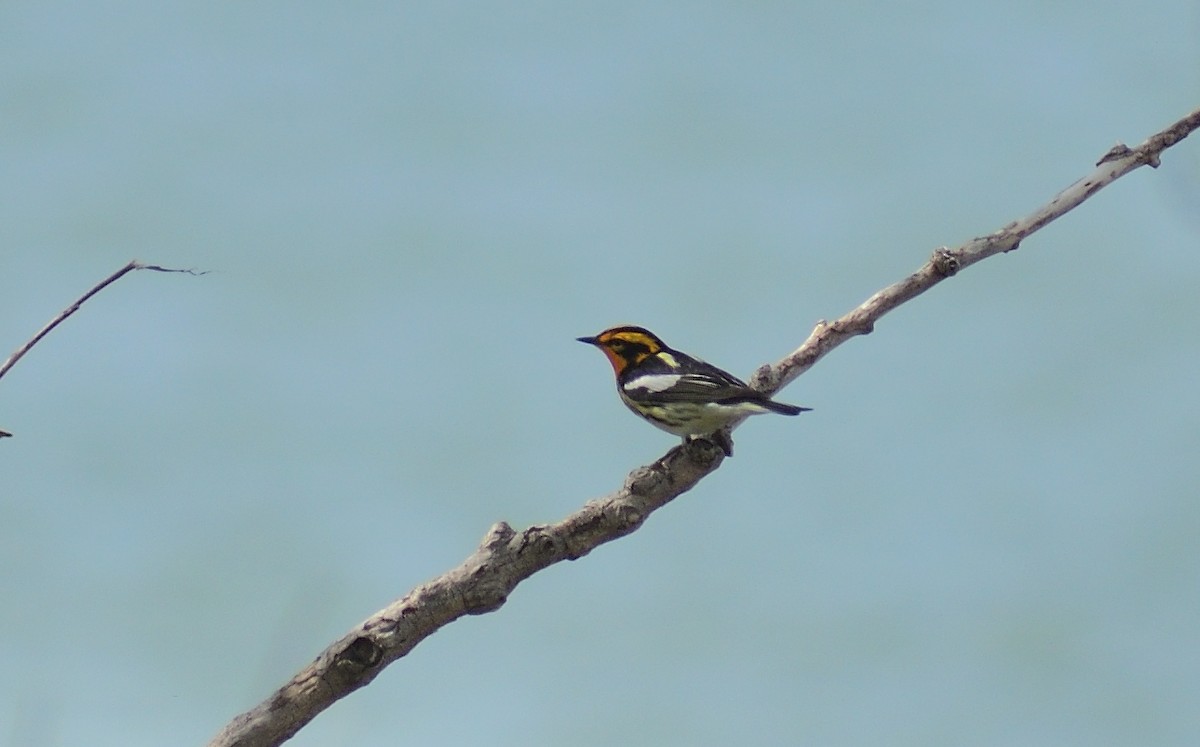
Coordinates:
<point>483,581</point>
<point>944,263</point>
<point>479,585</point>
<point>62,315</point>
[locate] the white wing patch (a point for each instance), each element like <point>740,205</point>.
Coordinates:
<point>652,382</point>
<point>663,382</point>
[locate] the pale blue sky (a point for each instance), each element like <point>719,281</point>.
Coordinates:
<point>985,533</point>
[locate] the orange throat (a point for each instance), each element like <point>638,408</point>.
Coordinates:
<point>619,364</point>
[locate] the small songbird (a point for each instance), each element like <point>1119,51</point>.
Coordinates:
<point>676,392</point>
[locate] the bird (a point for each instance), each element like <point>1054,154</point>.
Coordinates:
<point>676,392</point>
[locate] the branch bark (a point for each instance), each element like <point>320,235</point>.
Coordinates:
<point>506,557</point>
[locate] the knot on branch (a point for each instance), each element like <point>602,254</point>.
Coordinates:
<point>944,263</point>
<point>854,323</point>
<point>545,545</point>
<point>706,451</point>
<point>486,593</point>
<point>361,653</point>
<point>498,535</point>
<point>1118,151</point>
<point>645,480</point>
<point>625,516</point>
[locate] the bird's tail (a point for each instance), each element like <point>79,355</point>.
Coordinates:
<point>783,409</point>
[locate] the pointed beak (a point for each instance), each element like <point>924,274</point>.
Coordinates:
<point>588,340</point>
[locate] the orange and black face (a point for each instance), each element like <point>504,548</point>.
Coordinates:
<point>626,346</point>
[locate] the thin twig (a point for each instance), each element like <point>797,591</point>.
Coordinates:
<point>483,581</point>
<point>21,351</point>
